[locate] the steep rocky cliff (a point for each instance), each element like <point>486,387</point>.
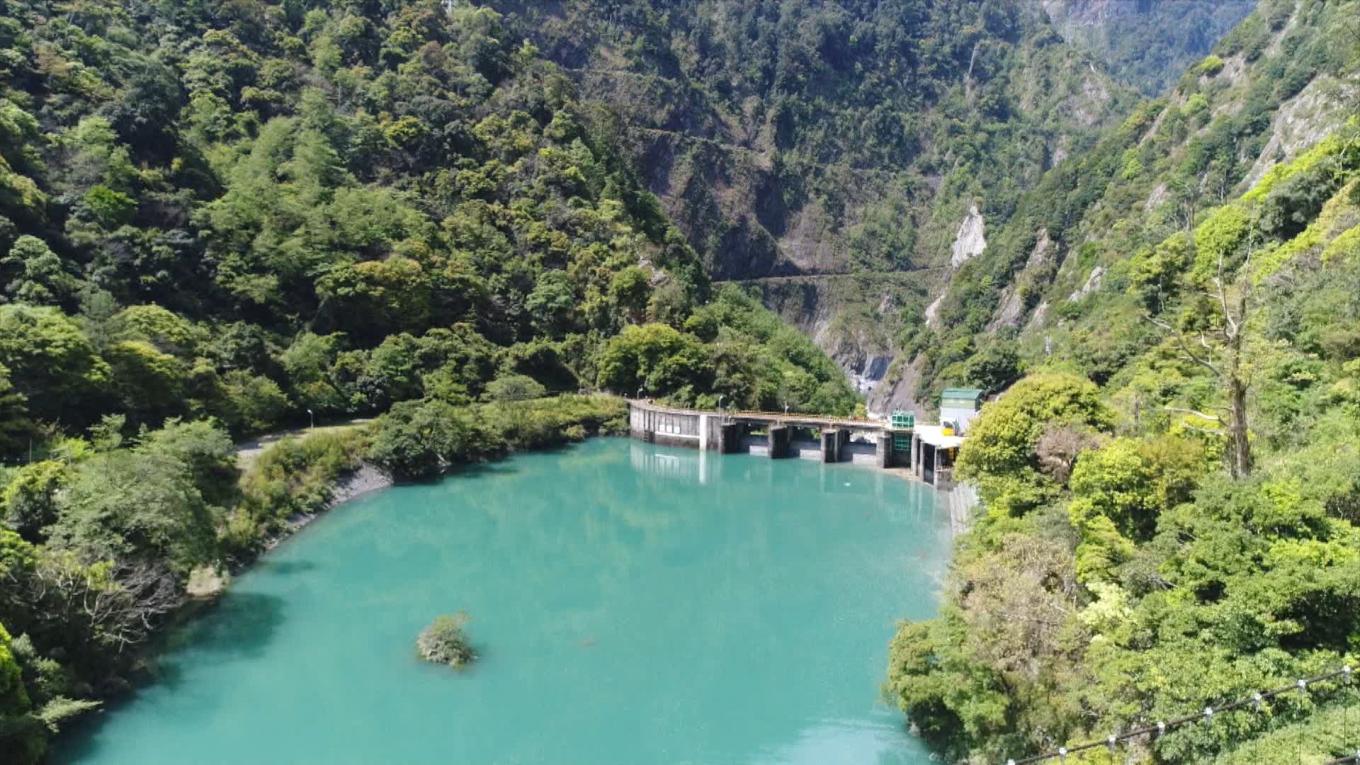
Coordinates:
<point>845,316</point>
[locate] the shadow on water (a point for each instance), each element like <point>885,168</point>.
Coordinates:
<point>465,470</point>
<point>240,625</point>
<point>477,469</point>
<point>77,739</point>
<point>284,567</point>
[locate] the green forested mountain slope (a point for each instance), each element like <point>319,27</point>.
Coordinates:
<point>1146,43</point>
<point>219,218</point>
<point>796,136</point>
<point>1275,86</point>
<point>808,137</point>
<point>1170,499</point>
<point>243,210</point>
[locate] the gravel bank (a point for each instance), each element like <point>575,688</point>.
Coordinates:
<point>367,478</point>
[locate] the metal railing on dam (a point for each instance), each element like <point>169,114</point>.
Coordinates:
<point>801,419</point>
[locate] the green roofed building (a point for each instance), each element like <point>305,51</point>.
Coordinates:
<point>959,406</point>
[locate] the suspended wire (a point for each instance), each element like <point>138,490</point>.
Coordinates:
<point>1162,727</point>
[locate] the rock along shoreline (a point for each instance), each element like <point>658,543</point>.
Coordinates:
<point>367,479</point>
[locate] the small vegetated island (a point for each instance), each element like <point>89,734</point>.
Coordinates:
<point>445,641</point>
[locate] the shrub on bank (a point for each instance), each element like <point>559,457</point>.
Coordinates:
<point>295,476</point>
<point>421,439</point>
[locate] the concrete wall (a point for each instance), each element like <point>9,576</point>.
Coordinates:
<point>755,445</point>
<point>664,423</point>
<point>860,453</point>
<point>961,499</point>
<point>960,416</point>
<point>675,428</point>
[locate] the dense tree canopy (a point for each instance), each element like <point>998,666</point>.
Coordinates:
<point>221,219</point>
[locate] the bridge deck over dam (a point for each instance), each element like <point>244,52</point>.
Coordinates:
<point>801,435</point>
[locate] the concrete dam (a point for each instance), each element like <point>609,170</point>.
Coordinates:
<point>924,450</point>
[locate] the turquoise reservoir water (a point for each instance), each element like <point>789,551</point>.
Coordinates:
<point>633,605</point>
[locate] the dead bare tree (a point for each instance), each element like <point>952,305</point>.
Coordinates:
<point>119,604</point>
<point>1220,348</point>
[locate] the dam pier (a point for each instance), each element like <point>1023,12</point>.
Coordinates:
<point>927,451</point>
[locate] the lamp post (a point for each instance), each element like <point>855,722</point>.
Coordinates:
<point>311,420</point>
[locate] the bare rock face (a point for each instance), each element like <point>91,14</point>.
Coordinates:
<point>1010,309</point>
<point>933,312</point>
<point>971,240</point>
<point>870,373</point>
<point>865,359</point>
<point>1305,120</point>
<point>207,582</point>
<point>811,239</point>
<point>367,478</point>
<point>1092,284</point>
<point>898,390</point>
<point>1039,316</point>
<point>1044,252</point>
<point>1038,267</point>
<point>1158,197</point>
<point>815,305</point>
